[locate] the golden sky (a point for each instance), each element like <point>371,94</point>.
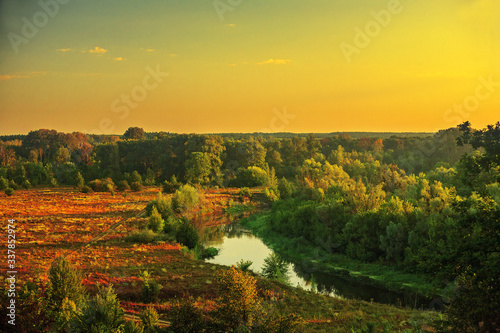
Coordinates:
<point>248,65</point>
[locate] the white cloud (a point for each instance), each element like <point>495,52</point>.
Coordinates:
<point>97,50</point>
<point>275,62</point>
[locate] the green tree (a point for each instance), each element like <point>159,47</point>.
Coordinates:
<point>65,282</point>
<point>198,168</point>
<point>156,222</point>
<point>134,133</point>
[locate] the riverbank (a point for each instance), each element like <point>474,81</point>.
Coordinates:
<point>313,258</point>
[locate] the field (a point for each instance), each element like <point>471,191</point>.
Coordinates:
<point>90,229</point>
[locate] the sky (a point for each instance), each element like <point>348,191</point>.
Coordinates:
<point>219,66</point>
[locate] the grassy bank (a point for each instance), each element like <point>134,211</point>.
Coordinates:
<point>300,251</point>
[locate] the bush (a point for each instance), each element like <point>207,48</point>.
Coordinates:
<point>250,177</point>
<point>239,298</point>
<point>271,194</point>
<point>13,185</point>
<point>26,184</point>
<point>162,204</point>
<point>209,253</point>
<point>101,313</point>
<point>187,235</point>
<point>102,185</point>
<point>185,198</point>
<point>53,182</point>
<point>171,186</point>
<point>285,188</point>
<point>136,187</point>
<point>150,288</point>
<point>123,186</point>
<point>86,189</point>
<point>146,236</point>
<point>9,191</point>
<point>186,317</point>
<point>274,266</point>
<point>243,265</point>
<point>135,177</point>
<point>156,222</point>
<point>4,183</point>
<point>149,318</point>
<point>80,182</point>
<point>65,282</point>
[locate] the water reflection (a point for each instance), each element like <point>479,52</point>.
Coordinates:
<point>236,243</point>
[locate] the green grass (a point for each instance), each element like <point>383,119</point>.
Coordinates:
<point>301,251</point>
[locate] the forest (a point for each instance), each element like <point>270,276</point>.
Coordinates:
<point>422,204</point>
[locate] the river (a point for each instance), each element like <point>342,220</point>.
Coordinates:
<point>235,243</point>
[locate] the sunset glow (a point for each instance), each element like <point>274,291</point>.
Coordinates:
<point>231,66</point>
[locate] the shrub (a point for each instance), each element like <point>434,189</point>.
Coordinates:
<point>13,185</point>
<point>136,187</point>
<point>147,236</point>
<point>86,189</point>
<point>9,191</point>
<point>238,297</point>
<point>101,313</point>
<point>79,180</point>
<point>4,183</point>
<point>271,194</point>
<point>186,234</point>
<point>95,185</point>
<point>150,288</point>
<point>273,266</point>
<point>156,222</point>
<point>149,318</point>
<point>135,177</point>
<point>209,253</point>
<point>171,186</point>
<point>186,317</point>
<point>251,177</point>
<point>185,198</point>
<point>53,182</point>
<point>123,186</point>
<point>244,265</point>
<point>26,184</point>
<point>162,204</point>
<point>65,282</point>
<point>285,188</point>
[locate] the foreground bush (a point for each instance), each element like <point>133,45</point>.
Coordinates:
<point>185,198</point>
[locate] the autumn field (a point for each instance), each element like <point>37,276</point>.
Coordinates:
<point>90,230</point>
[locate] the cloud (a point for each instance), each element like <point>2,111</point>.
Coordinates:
<point>231,25</point>
<point>275,62</point>
<point>118,59</point>
<point>147,50</point>
<point>4,77</point>
<point>63,50</point>
<point>97,50</point>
